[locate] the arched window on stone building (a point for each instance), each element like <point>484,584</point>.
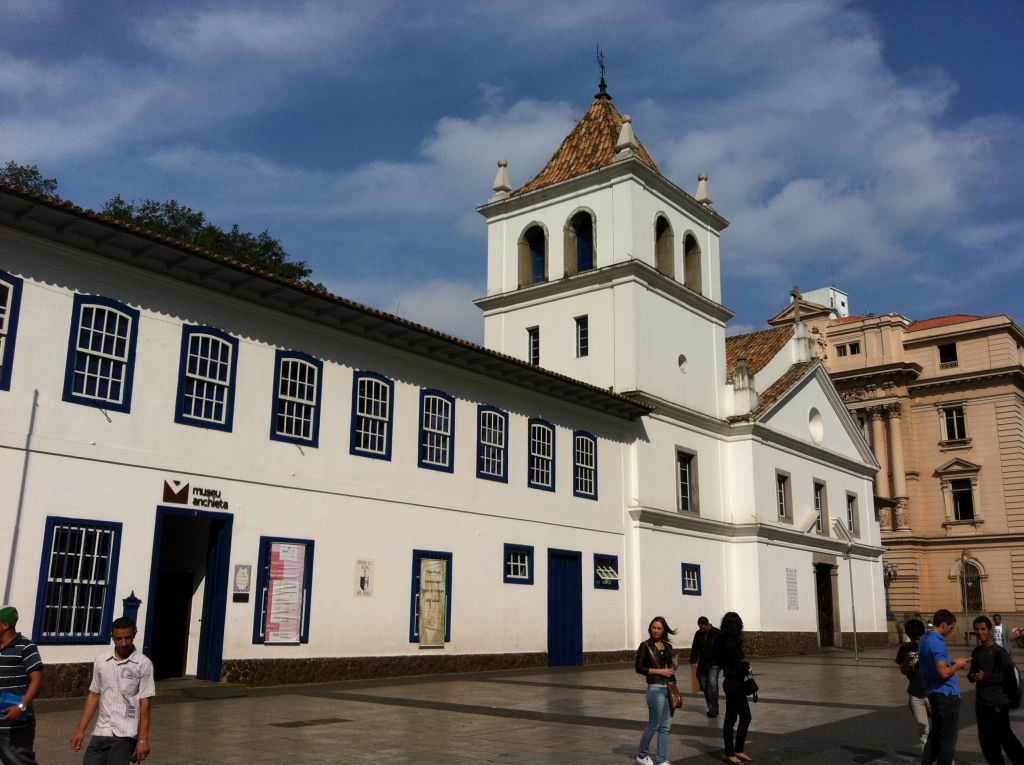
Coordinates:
<point>533,256</point>
<point>691,264</point>
<point>970,587</point>
<point>579,243</point>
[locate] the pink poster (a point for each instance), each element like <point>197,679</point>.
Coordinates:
<point>285,593</point>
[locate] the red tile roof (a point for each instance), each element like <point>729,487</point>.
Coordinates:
<point>845,319</point>
<point>758,348</point>
<point>589,146</point>
<point>940,321</point>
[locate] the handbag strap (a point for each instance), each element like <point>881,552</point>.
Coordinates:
<point>653,655</point>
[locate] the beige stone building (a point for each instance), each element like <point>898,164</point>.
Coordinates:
<point>941,402</point>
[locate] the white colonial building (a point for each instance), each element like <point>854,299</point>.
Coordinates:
<point>285,485</point>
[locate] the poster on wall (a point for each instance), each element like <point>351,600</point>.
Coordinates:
<point>432,602</point>
<point>792,599</point>
<point>285,588</point>
<point>364,578</point>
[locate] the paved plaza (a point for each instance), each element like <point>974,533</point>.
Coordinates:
<point>819,709</point>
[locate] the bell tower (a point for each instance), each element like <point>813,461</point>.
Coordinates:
<point>603,270</point>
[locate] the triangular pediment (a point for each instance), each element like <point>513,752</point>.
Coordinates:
<point>808,310</point>
<point>589,146</point>
<point>957,466</point>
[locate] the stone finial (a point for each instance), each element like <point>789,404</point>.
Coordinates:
<point>627,145</point>
<point>744,393</point>
<point>703,195</point>
<point>502,186</point>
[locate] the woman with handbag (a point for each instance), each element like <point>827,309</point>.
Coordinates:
<point>734,670</point>
<point>656,662</point>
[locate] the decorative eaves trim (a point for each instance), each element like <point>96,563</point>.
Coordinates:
<point>1014,372</point>
<point>630,269</point>
<point>897,370</point>
<point>762,532</point>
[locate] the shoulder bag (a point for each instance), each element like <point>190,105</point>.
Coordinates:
<point>675,698</point>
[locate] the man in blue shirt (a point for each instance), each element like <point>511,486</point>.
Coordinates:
<point>943,691</point>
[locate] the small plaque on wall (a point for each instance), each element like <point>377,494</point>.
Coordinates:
<point>242,579</point>
<point>792,596</point>
<point>365,575</point>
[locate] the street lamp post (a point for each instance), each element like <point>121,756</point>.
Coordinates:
<point>889,573</point>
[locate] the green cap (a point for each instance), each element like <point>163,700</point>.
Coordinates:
<point>9,615</point>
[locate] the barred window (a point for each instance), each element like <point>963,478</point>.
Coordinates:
<point>206,384</point>
<point>492,445</point>
<point>101,353</point>
<point>542,455</point>
<point>78,581</point>
<point>297,398</point>
<point>437,426</point>
<point>584,471</point>
<point>371,415</point>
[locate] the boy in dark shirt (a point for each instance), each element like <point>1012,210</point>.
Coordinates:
<point>906,657</point>
<point>989,667</point>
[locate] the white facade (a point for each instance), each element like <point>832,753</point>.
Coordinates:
<point>112,468</point>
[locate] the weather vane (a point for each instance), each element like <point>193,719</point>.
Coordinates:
<point>602,89</point>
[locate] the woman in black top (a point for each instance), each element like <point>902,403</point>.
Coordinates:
<point>734,671</point>
<point>655,661</point>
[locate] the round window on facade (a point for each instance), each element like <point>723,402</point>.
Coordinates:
<point>816,425</point>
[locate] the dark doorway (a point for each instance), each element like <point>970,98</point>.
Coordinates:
<point>823,586</point>
<point>565,608</point>
<point>189,573</point>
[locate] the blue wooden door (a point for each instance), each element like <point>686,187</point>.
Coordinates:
<point>211,637</point>
<point>565,608</point>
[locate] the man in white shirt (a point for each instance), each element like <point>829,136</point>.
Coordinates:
<point>121,688</point>
<point>1000,633</point>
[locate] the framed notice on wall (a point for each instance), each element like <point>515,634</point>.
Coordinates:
<point>286,589</point>
<point>433,602</point>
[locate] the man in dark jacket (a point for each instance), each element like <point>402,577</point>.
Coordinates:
<point>990,667</point>
<point>704,653</point>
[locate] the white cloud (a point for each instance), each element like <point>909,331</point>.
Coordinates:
<point>442,304</point>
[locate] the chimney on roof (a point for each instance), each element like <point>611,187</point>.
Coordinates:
<point>744,396</point>
<point>502,186</point>
<point>627,145</point>
<point>703,195</point>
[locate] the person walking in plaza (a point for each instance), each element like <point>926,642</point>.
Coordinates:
<point>21,674</point>
<point>656,661</point>
<point>704,653</point>
<point>907,658</point>
<point>121,688</point>
<point>734,669</point>
<point>1001,634</point>
<point>943,690</point>
<point>990,669</point>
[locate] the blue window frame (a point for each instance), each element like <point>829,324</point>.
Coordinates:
<point>517,564</point>
<point>691,579</point>
<point>437,431</point>
<point>77,581</point>
<point>541,471</point>
<point>10,309</point>
<point>492,444</point>
<point>372,413</point>
<point>583,227</point>
<point>606,572</point>
<point>418,556</point>
<point>298,383</point>
<point>101,353</point>
<point>536,241</point>
<point>584,465</point>
<point>268,570</point>
<point>206,378</point>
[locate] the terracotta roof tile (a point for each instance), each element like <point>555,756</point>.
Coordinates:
<point>940,321</point>
<point>589,146</point>
<point>777,390</point>
<point>758,348</point>
<point>846,319</point>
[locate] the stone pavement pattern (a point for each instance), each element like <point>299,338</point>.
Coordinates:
<point>820,709</point>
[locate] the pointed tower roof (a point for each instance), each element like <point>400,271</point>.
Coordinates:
<point>589,146</point>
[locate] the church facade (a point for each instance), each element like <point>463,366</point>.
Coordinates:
<point>283,485</point>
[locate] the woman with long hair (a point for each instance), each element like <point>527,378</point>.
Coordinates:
<point>734,670</point>
<point>656,662</point>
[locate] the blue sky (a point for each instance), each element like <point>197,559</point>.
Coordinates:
<point>874,145</point>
